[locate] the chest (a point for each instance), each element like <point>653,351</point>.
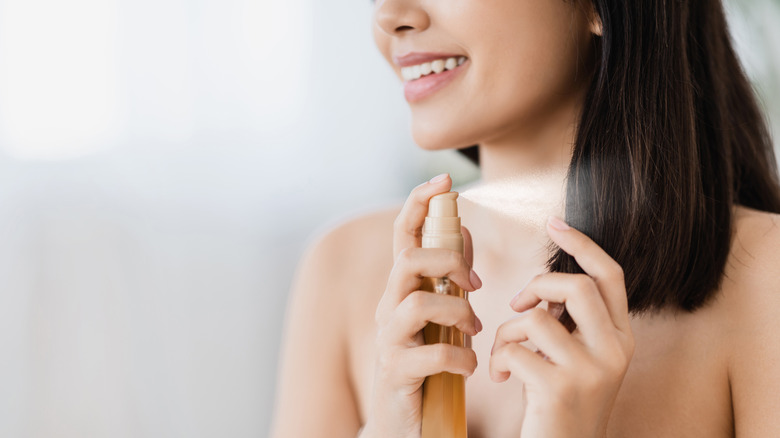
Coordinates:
<point>676,384</point>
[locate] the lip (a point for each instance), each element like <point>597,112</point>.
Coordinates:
<point>414,58</point>
<point>419,89</point>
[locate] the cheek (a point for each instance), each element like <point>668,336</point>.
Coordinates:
<point>536,74</point>
<point>535,60</point>
<point>522,70</point>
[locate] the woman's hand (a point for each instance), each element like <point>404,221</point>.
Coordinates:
<point>569,392</point>
<point>403,361</point>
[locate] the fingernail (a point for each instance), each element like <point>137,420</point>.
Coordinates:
<point>557,223</point>
<point>477,324</point>
<point>475,281</point>
<point>438,178</point>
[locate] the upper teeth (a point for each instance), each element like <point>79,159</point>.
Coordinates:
<point>416,71</point>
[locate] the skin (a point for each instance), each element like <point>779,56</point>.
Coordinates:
<point>352,356</point>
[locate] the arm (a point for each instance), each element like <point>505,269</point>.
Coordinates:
<point>313,395</point>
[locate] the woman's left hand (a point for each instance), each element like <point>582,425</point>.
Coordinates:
<point>571,391</point>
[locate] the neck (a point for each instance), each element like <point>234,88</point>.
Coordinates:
<point>523,175</point>
<point>538,146</point>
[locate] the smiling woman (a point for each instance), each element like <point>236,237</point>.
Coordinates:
<point>656,301</point>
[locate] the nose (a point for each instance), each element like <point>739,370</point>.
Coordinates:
<point>396,17</point>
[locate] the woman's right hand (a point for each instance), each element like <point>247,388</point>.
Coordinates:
<point>403,359</point>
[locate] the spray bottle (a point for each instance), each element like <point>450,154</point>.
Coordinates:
<point>444,396</point>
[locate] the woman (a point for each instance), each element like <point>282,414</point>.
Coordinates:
<point>667,265</point>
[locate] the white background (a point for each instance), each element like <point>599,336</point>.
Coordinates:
<point>163,164</point>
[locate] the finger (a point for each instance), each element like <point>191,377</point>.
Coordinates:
<point>411,364</point>
<point>407,228</point>
<point>415,263</point>
<point>580,295</point>
<point>544,331</point>
<point>607,273</point>
<point>422,307</point>
<point>514,359</point>
<point>468,248</point>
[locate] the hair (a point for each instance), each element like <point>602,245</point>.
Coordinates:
<point>670,138</point>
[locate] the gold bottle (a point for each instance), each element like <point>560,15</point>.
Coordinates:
<point>444,395</point>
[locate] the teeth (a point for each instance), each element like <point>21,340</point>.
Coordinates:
<point>426,68</point>
<point>450,63</point>
<point>416,71</point>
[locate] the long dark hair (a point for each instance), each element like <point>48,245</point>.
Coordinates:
<point>670,138</point>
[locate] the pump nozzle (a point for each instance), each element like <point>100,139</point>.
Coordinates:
<point>442,225</point>
<point>443,205</point>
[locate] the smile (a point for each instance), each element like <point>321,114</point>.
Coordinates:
<point>415,72</point>
<point>424,79</point>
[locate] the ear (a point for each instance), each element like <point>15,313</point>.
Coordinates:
<point>594,20</point>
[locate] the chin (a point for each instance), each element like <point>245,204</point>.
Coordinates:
<point>436,138</point>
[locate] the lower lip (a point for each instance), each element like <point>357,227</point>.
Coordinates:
<point>425,86</point>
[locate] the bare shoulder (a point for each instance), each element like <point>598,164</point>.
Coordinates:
<point>356,242</point>
<point>332,280</point>
<point>354,254</point>
<point>750,304</point>
<point>756,243</point>
<point>751,283</point>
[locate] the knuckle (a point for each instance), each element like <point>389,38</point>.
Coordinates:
<point>500,331</point>
<point>464,308</point>
<point>406,255</point>
<point>471,357</point>
<point>494,358</point>
<point>616,271</point>
<point>397,222</point>
<point>532,282</point>
<point>386,360</point>
<point>442,354</point>
<point>455,260</point>
<point>536,316</point>
<point>625,353</point>
<point>584,284</point>
<point>615,363</point>
<point>401,225</point>
<point>415,301</point>
<point>510,350</point>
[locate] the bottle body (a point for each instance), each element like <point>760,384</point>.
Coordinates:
<point>444,394</point>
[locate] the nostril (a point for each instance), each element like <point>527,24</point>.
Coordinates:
<point>400,28</point>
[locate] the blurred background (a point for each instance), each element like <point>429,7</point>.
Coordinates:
<point>163,165</point>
